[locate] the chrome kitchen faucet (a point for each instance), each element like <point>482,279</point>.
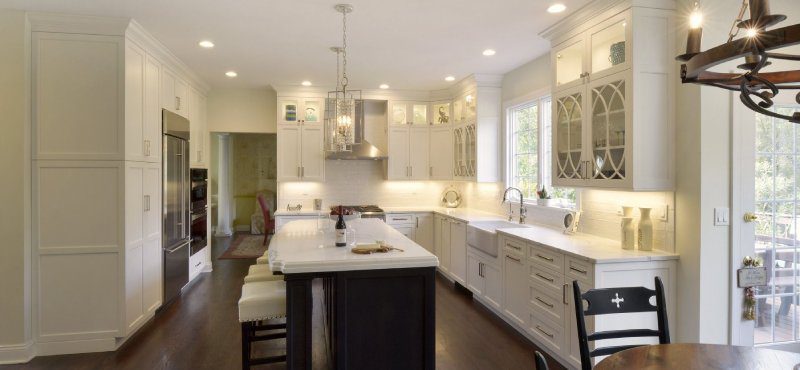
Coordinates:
<point>522,211</point>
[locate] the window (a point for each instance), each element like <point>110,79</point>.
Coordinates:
<point>529,153</point>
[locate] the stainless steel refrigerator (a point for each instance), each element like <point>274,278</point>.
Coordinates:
<point>176,195</point>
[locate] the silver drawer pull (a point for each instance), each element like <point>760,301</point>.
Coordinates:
<point>545,303</point>
<point>513,259</point>
<point>539,328</point>
<point>578,270</point>
<point>514,246</point>
<point>544,258</point>
<point>544,277</point>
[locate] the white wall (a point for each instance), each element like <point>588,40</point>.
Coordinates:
<point>246,110</point>
<point>527,78</point>
<point>15,195</point>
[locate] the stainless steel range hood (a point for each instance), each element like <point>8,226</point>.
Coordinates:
<point>365,150</point>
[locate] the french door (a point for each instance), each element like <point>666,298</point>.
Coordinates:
<point>766,224</point>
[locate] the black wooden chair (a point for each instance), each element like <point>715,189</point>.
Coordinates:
<point>615,301</point>
<point>541,363</point>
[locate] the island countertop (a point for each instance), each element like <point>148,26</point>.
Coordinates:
<point>300,248</point>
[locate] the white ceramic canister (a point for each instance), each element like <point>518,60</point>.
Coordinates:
<point>627,237</point>
<point>645,230</point>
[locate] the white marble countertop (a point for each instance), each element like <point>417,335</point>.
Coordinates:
<point>299,248</point>
<point>461,214</point>
<point>586,247</point>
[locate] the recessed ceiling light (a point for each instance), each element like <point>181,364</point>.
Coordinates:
<point>306,83</point>
<point>489,52</point>
<point>449,78</point>
<point>556,8</point>
<point>384,86</point>
<point>231,74</point>
<point>206,44</point>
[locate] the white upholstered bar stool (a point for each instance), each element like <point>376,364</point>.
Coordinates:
<point>263,260</point>
<point>260,273</point>
<point>263,300</point>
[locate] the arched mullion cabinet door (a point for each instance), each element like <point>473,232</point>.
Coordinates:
<point>609,115</point>
<point>568,122</point>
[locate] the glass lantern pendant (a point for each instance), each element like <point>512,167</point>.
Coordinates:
<point>341,118</point>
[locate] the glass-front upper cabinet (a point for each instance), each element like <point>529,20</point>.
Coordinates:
<point>609,46</point>
<point>470,105</point>
<point>608,126</point>
<point>409,113</point>
<point>399,113</point>
<point>568,131</point>
<point>569,62</point>
<point>441,113</point>
<point>292,111</point>
<point>458,111</point>
<point>420,114</point>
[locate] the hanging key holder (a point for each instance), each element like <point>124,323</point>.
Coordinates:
<point>749,277</point>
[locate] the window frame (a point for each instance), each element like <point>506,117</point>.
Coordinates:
<point>543,99</point>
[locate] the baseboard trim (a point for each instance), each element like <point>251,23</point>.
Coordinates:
<point>75,346</point>
<point>16,353</point>
<point>208,267</point>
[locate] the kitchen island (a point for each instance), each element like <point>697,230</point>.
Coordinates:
<point>380,308</point>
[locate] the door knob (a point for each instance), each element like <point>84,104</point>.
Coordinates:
<point>750,217</point>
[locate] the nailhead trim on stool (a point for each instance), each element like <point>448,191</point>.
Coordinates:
<point>261,300</point>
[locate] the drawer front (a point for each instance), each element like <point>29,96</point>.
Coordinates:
<point>549,305</point>
<point>546,258</point>
<point>399,218</point>
<point>548,333</point>
<point>545,279</point>
<point>580,270</point>
<point>514,247</point>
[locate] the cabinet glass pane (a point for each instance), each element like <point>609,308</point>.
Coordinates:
<point>441,113</point>
<point>399,114</point>
<point>569,125</point>
<point>289,111</point>
<point>420,114</point>
<point>608,130</point>
<point>458,152</point>
<point>312,111</point>
<point>569,63</point>
<point>471,104</point>
<point>458,111</point>
<point>608,47</point>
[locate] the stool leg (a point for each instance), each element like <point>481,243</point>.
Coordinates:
<point>246,345</point>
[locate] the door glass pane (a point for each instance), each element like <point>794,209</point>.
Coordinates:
<point>608,47</point>
<point>420,114</point>
<point>311,111</point>
<point>569,63</point>
<point>608,130</point>
<point>471,104</point>
<point>569,121</point>
<point>289,111</point>
<point>399,114</point>
<point>441,113</point>
<point>776,192</point>
<point>458,110</point>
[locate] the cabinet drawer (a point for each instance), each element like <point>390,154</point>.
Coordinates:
<point>545,279</point>
<point>399,218</point>
<point>546,258</point>
<point>548,333</point>
<point>580,270</point>
<point>514,247</point>
<point>548,305</point>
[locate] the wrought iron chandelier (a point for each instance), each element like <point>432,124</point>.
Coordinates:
<point>755,48</point>
<point>342,104</point>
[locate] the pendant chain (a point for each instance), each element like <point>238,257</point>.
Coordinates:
<point>344,51</point>
<point>734,28</point>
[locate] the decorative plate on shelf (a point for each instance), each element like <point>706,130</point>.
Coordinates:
<point>451,198</point>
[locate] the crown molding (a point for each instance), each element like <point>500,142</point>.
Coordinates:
<point>85,24</point>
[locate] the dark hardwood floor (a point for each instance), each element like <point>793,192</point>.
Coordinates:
<point>201,331</point>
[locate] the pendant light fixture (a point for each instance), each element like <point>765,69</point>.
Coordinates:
<point>342,104</point>
<point>756,88</point>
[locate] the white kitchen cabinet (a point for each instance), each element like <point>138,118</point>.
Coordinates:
<point>441,153</point>
<point>515,281</point>
<point>409,113</point>
<point>484,279</point>
<point>408,153</point>
<point>197,262</point>
<point>474,278</point>
<point>476,132</point>
<point>458,251</point>
<point>300,153</point>
<point>142,108</point>
<point>283,220</point>
<point>199,136</point>
<point>423,233</point>
<point>405,223</point>
<point>613,125</point>
<point>174,93</point>
<point>152,110</point>
<point>443,243</point>
<point>298,110</point>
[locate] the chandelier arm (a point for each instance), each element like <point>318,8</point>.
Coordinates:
<point>755,107</point>
<point>783,56</point>
<point>776,78</point>
<point>768,40</point>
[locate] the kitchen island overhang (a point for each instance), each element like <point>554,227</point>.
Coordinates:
<point>380,308</point>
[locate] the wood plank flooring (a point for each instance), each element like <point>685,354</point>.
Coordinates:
<point>201,331</point>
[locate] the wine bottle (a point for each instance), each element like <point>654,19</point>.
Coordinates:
<point>341,230</point>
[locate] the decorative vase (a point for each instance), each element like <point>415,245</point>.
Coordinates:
<point>645,230</point>
<point>627,212</point>
<point>627,234</point>
<point>617,53</point>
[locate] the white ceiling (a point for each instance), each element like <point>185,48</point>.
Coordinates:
<point>408,44</point>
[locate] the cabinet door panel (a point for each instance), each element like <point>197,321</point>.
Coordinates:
<point>418,153</point>
<point>289,152</point>
<point>312,110</point>
<point>568,127</point>
<point>441,154</point>
<point>444,264</point>
<point>312,161</point>
<point>608,123</point>
<point>152,204</point>
<point>134,204</point>
<point>152,109</point>
<point>423,234</point>
<point>399,114</point>
<point>134,102</point>
<point>182,95</point>
<point>458,251</point>
<point>398,168</point>
<point>288,109</point>
<point>568,59</point>
<point>419,114</point>
<point>133,286</point>
<point>437,237</point>
<point>474,279</point>
<point>151,275</point>
<point>493,288</point>
<point>169,100</point>
<point>515,288</point>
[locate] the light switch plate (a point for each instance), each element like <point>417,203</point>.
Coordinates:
<point>722,216</point>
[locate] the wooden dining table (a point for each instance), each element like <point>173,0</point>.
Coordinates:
<point>700,356</point>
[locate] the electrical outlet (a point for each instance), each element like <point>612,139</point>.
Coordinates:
<point>722,216</point>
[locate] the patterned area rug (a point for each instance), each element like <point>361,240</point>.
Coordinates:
<point>245,246</point>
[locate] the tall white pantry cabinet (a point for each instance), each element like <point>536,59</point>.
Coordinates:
<point>96,99</point>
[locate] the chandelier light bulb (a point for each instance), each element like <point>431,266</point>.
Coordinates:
<point>696,19</point>
<point>752,32</point>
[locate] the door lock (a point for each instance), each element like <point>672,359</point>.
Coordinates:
<point>750,217</point>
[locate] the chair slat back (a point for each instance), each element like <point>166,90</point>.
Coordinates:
<point>619,300</point>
